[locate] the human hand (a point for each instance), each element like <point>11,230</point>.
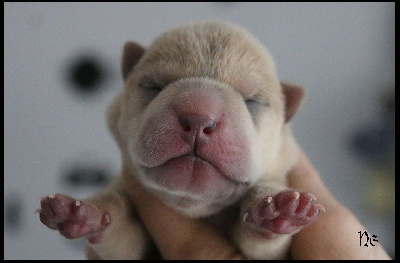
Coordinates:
<point>332,236</point>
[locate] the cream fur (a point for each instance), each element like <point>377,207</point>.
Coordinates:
<point>234,63</point>
<point>207,73</point>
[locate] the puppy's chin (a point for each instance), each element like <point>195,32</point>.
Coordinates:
<point>192,185</point>
<point>190,206</point>
<point>193,206</point>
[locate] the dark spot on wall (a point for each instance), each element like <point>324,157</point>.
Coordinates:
<point>78,175</point>
<point>13,212</point>
<point>86,73</point>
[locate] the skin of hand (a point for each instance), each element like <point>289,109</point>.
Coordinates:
<point>334,235</point>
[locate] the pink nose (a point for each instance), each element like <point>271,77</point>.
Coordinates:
<point>197,125</point>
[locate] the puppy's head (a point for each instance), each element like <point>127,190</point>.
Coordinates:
<point>202,115</point>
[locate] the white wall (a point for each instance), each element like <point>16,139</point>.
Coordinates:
<point>342,53</point>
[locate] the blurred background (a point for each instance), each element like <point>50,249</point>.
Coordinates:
<point>62,68</point>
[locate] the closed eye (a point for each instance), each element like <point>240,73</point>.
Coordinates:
<point>150,86</point>
<point>250,102</point>
<point>256,106</point>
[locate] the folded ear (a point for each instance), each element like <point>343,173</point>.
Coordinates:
<point>131,55</point>
<point>293,97</point>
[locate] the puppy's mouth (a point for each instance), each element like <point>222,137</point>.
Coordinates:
<point>195,158</point>
<point>190,173</point>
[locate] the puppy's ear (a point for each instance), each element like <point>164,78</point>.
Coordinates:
<point>293,97</point>
<point>131,55</point>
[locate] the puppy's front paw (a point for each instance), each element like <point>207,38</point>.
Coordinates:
<point>73,218</point>
<point>283,213</point>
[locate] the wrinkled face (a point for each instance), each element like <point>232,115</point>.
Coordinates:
<point>198,122</point>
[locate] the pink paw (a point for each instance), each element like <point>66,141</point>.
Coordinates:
<point>283,213</point>
<point>73,218</point>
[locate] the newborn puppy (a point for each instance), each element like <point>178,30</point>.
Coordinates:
<point>202,122</point>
